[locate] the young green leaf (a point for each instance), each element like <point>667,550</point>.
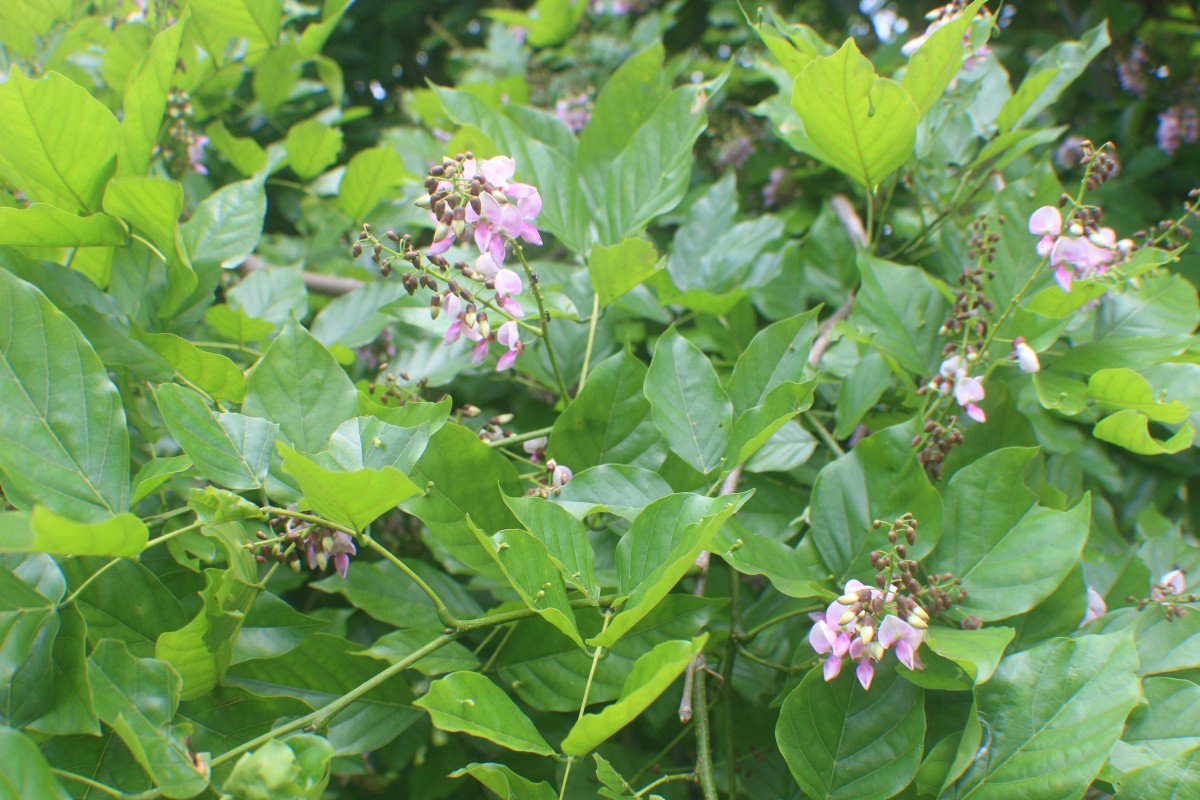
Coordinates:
<point>226,225</point>
<point>614,489</point>
<point>468,702</point>
<point>651,675</point>
<point>42,225</point>
<point>27,774</point>
<point>863,126</point>
<point>229,449</point>
<point>937,61</point>
<point>565,539</point>
<point>214,373</point>
<point>370,177</point>
<point>616,269</point>
<point>145,101</point>
<point>43,531</point>
<point>311,147</point>
<point>505,783</point>
<point>355,498</point>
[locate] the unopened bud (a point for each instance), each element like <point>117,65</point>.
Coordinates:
<point>917,622</point>
<point>971,623</point>
<point>848,599</point>
<point>846,618</point>
<point>866,634</point>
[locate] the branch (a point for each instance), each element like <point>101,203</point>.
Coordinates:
<point>317,283</point>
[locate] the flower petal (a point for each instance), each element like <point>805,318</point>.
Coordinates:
<point>1046,221</point>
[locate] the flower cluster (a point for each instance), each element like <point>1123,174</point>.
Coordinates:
<point>867,621</point>
<point>184,148</point>
<point>953,377</point>
<point>1178,125</point>
<point>1168,594</point>
<point>479,201</point>
<point>320,545</point>
<point>1084,250</point>
<point>574,110</point>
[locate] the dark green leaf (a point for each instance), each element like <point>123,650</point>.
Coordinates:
<point>26,773</point>
<point>688,403</point>
<point>229,449</point>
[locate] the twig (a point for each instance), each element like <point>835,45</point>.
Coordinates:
<point>704,765</point>
<point>332,285</point>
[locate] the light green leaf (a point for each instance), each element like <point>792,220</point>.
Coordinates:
<point>864,126</point>
<point>651,675</point>
<point>778,354</point>
<point>565,538</point>
<point>379,589</point>
<point>275,295</point>
<point>43,225</point>
<point>1162,645</point>
<point>688,403</point>
<point>257,21</point>
<point>937,61</point>
<point>399,645</point>
<point>758,424</point>
<point>146,100</point>
<point>1065,395</point>
<point>1131,429</point>
<point>1047,77</point>
<point>614,489</point>
<point>627,101</point>
<point>295,768</point>
<point>794,46</point>
<point>27,775</point>
<point>272,628</point>
<point>1053,714</point>
<point>201,650</point>
<point>505,783</point>
<point>354,499</point>
<point>43,531</point>
<point>30,587</point>
<point>301,385</point>
<point>609,422</point>
<point>152,207</point>
<point>1124,388</point>
<point>1009,552</point>
<point>62,425</point>
<point>902,311</point>
<point>616,269</point>
<point>878,479</point>
<point>246,155</point>
<point>58,144</point>
<point>468,702</point>
<point>311,147</point>
<point>843,742</point>
<point>662,543</point>
<point>370,443</point>
<point>216,374</point>
<point>138,698</point>
<point>978,652</point>
<point>227,224</point>
<point>370,177</point>
<point>229,449</point>
<point>796,572</point>
<point>526,563</point>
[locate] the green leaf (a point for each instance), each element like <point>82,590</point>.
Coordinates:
<point>201,650</point>
<point>229,449</point>
<point>757,425</point>
<point>688,403</point>
<point>214,373</point>
<point>138,698</point>
<point>321,670</point>
<point>628,99</point>
<point>42,225</point>
<point>145,101</point>
<point>226,225</point>
<point>399,645</point>
<point>661,545</point>
<point>1009,552</point>
<point>548,671</point>
<point>1124,388</point>
<point>455,452</point>
<point>62,425</point>
<point>614,489</point>
<point>299,384</point>
<point>1131,429</point>
<point>258,21</point>
<point>1053,714</point>
<point>778,354</point>
<point>126,602</point>
<point>863,125</point>
<point>1162,645</point>
<point>370,443</point>
<point>878,479</point>
<point>43,531</point>
<point>354,499</point>
<point>978,652</point>
<point>794,46</point>
<point>70,708</point>
<point>311,147</point>
<point>295,768</point>
<point>59,143</point>
<point>371,176</point>
<point>246,155</point>
<point>27,774</point>
<point>616,269</point>
<point>795,572</point>
<point>1047,77</point>
<point>565,538</point>
<point>275,295</point>
<point>609,422</point>
<point>470,703</point>
<point>28,627</point>
<point>152,207</point>
<point>902,311</point>
<point>272,628</point>
<point>842,742</point>
<point>1065,395</point>
<point>936,63</point>
<point>378,588</point>
<point>1158,750</point>
<point>506,784</point>
<point>526,563</point>
<point>651,675</point>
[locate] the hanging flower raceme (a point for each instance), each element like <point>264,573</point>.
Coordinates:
<point>1074,255</point>
<point>968,391</point>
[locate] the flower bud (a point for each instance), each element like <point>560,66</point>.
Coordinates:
<point>920,612</point>
<point>441,231</point>
<point>846,619</point>
<point>848,599</point>
<point>867,633</point>
<point>917,622</point>
<point>971,623</point>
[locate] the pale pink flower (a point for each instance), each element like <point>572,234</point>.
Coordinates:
<point>905,637</point>
<point>560,476</point>
<point>865,672</point>
<point>1174,583</point>
<point>1095,607</point>
<point>1027,357</point>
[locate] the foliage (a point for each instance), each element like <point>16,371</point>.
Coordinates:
<point>825,425</point>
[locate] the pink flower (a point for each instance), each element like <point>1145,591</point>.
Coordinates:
<point>968,391</point>
<point>865,672</point>
<point>560,476</point>
<point>480,353</point>
<point>343,548</point>
<point>508,283</point>
<point>196,154</point>
<point>535,448</point>
<point>1095,607</point>
<point>1172,583</point>
<point>509,336</point>
<point>1027,357</point>
<point>905,637</point>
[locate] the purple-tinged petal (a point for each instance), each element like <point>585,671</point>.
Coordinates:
<point>485,265</point>
<point>865,672</point>
<point>341,562</point>
<point>1045,245</point>
<point>562,474</point>
<point>498,170</point>
<point>483,236</point>
<point>976,413</point>
<point>892,630</point>
<point>968,390</point>
<point>530,205</point>
<point>490,208</point>
<point>530,233</point>
<point>441,246</point>
<point>833,668</point>
<point>453,332</point>
<point>820,639</point>
<point>905,652</point>
<point>841,645</point>
<point>1096,607</point>
<point>512,307</point>
<point>506,360</point>
<point>451,305</point>
<point>521,191</point>
<point>496,248</point>
<point>512,221</point>
<point>508,283</point>
<point>480,353</point>
<point>1046,221</point>
<point>508,335</point>
<point>1062,276</point>
<point>311,554</point>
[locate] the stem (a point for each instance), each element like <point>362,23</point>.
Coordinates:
<point>520,437</point>
<point>166,515</point>
<point>545,321</point>
<point>704,765</point>
<point>322,715</point>
<point>684,776</point>
<point>587,688</point>
<point>591,340</point>
<point>443,611</point>
<point>108,790</point>
<point>870,219</point>
<point>312,518</point>
<point>825,437</point>
<point>735,601</point>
